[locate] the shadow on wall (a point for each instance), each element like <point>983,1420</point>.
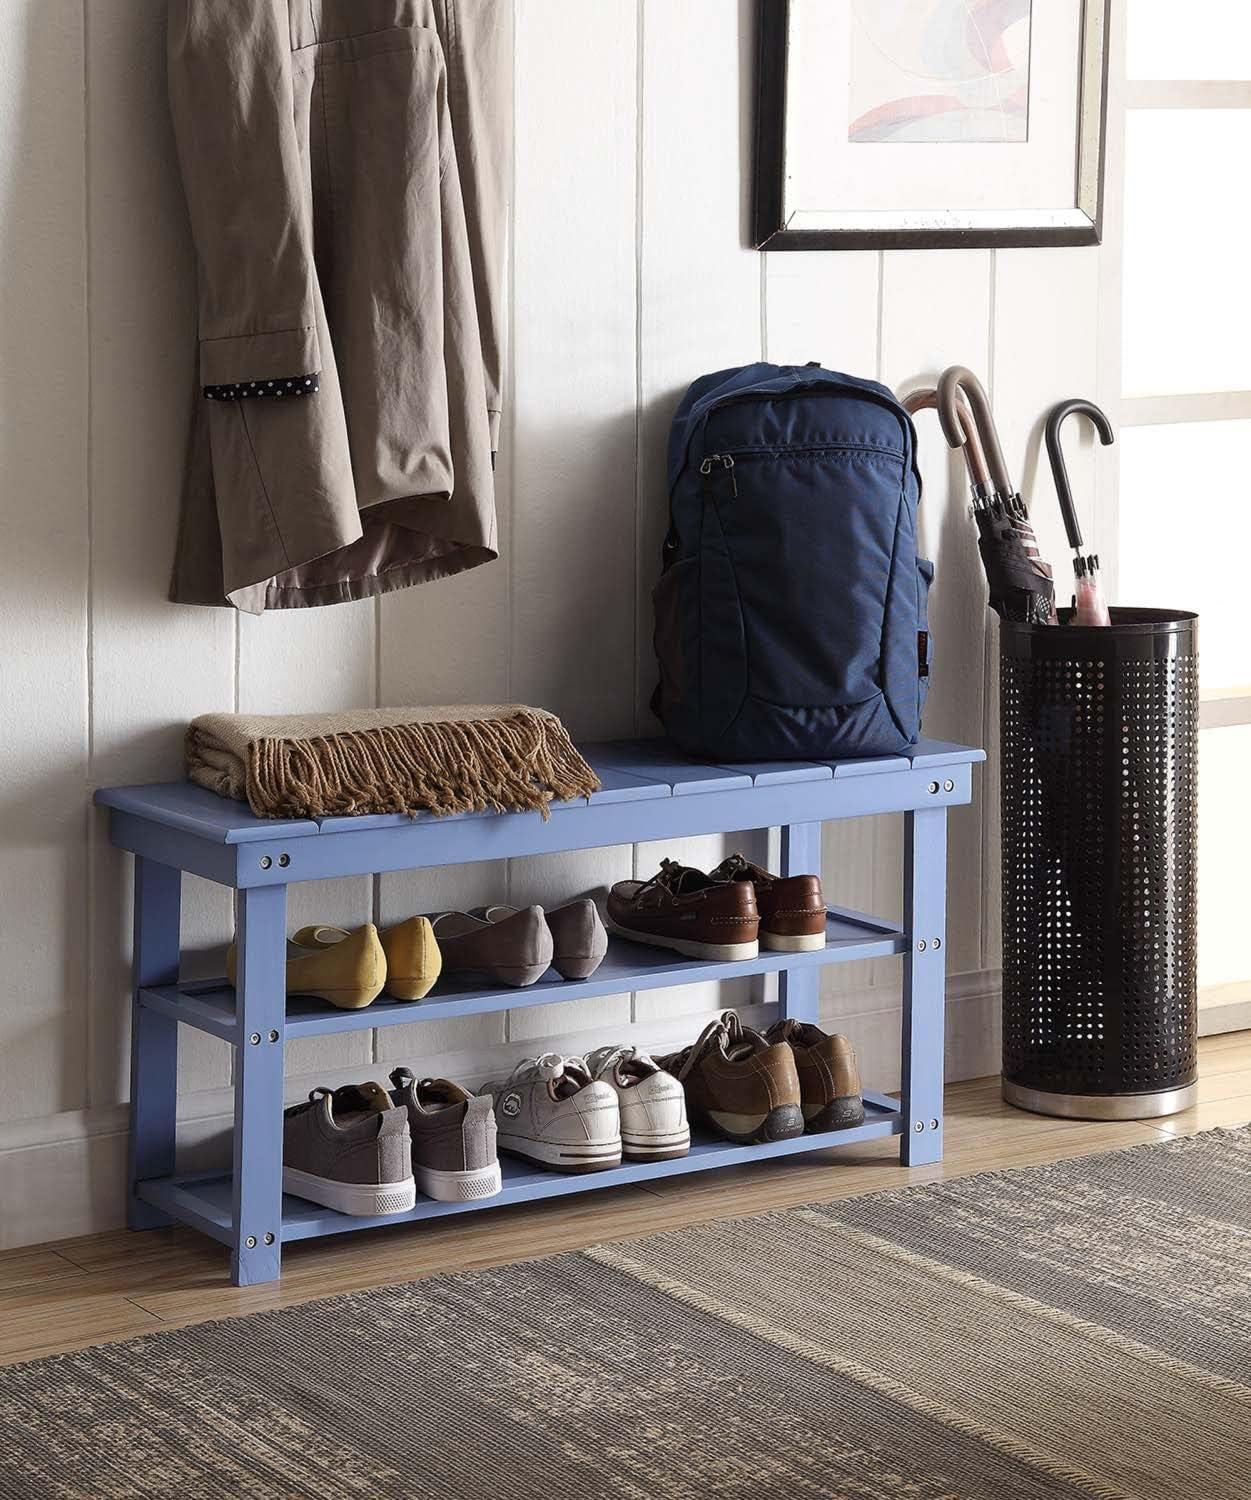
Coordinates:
<point>43,560</point>
<point>155,663</point>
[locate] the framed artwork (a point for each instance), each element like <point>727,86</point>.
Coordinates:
<point>927,123</point>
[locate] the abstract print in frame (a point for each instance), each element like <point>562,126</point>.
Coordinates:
<point>929,123</point>
<point>939,70</point>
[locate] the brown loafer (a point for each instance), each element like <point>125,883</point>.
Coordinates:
<point>516,950</point>
<point>579,941</point>
<point>829,1080</point>
<point>684,909</point>
<point>792,907</point>
<point>744,1087</point>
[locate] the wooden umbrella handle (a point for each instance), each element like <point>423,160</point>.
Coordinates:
<point>958,378</point>
<point>926,399</point>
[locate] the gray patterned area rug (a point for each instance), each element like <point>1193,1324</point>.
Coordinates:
<point>1082,1329</point>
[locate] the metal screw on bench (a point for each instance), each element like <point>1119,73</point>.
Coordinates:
<point>250,1242</point>
<point>949,786</point>
<point>255,1039</point>
<point>269,1238</point>
<point>273,1036</point>
<point>265,861</point>
<point>284,860</point>
<point>933,788</point>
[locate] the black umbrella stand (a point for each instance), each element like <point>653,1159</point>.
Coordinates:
<point>1098,766</point>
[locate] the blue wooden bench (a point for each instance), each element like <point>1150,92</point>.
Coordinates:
<point>648,793</point>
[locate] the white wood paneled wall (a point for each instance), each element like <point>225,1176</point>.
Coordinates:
<point>630,277</point>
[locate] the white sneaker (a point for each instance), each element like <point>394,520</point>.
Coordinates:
<point>652,1103</point>
<point>550,1111</point>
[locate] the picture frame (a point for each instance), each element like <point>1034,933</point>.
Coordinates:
<point>1039,183</point>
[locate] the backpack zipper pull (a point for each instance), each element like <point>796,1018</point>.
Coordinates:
<point>727,463</point>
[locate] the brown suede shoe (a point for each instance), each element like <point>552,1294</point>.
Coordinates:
<point>792,908</point>
<point>686,910</point>
<point>516,950</point>
<point>829,1081</point>
<point>738,1083</point>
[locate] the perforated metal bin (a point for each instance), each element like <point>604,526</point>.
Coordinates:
<point>1098,768</point>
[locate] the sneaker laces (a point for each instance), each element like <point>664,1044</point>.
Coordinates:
<point>553,1069</point>
<point>603,1058</point>
<point>725,1029</point>
<point>618,1061</point>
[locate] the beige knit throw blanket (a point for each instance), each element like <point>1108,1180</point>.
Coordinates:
<point>506,758</point>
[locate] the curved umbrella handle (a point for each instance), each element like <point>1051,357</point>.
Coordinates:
<point>926,399</point>
<point>957,377</point>
<point>1055,455</point>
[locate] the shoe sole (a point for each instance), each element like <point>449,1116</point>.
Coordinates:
<point>802,942</point>
<point>459,1187</point>
<point>409,989</point>
<point>561,1158</point>
<point>577,968</point>
<point>342,999</point>
<point>843,1113</point>
<point>519,976</point>
<point>718,952</point>
<point>782,1123</point>
<point>656,1148</point>
<point>359,1199</point>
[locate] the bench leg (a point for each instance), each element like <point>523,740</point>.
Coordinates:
<point>261,1009</point>
<point>799,990</point>
<point>153,1038</point>
<point>924,985</point>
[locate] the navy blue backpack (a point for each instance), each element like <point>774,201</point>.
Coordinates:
<point>791,615</point>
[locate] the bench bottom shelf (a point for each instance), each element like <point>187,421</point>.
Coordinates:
<point>204,1200</point>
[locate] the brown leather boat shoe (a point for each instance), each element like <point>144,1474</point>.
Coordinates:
<point>744,1087</point>
<point>684,909</point>
<point>792,908</point>
<point>829,1080</point>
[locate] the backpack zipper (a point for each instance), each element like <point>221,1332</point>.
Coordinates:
<point>726,461</point>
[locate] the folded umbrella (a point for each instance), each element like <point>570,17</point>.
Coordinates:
<point>1021,586</point>
<point>1089,605</point>
<point>926,399</point>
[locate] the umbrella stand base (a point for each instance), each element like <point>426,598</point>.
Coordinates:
<point>1102,1106</point>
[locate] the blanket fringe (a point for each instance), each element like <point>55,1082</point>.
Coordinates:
<point>519,763</point>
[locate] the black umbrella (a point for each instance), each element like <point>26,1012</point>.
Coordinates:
<point>1089,605</point>
<point>1021,585</point>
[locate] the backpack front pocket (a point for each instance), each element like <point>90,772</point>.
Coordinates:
<point>808,539</point>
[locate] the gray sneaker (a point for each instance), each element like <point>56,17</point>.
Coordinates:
<point>550,1111</point>
<point>349,1150</point>
<point>453,1131</point>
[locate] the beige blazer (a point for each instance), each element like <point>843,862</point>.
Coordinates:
<point>345,171</point>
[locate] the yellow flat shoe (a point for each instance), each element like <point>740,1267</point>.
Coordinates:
<point>346,969</point>
<point>413,958</point>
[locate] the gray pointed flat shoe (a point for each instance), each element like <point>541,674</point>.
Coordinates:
<point>579,941</point>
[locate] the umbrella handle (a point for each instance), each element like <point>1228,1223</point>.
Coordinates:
<point>926,399</point>
<point>957,377</point>
<point>1055,454</point>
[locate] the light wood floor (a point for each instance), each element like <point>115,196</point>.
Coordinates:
<point>113,1286</point>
